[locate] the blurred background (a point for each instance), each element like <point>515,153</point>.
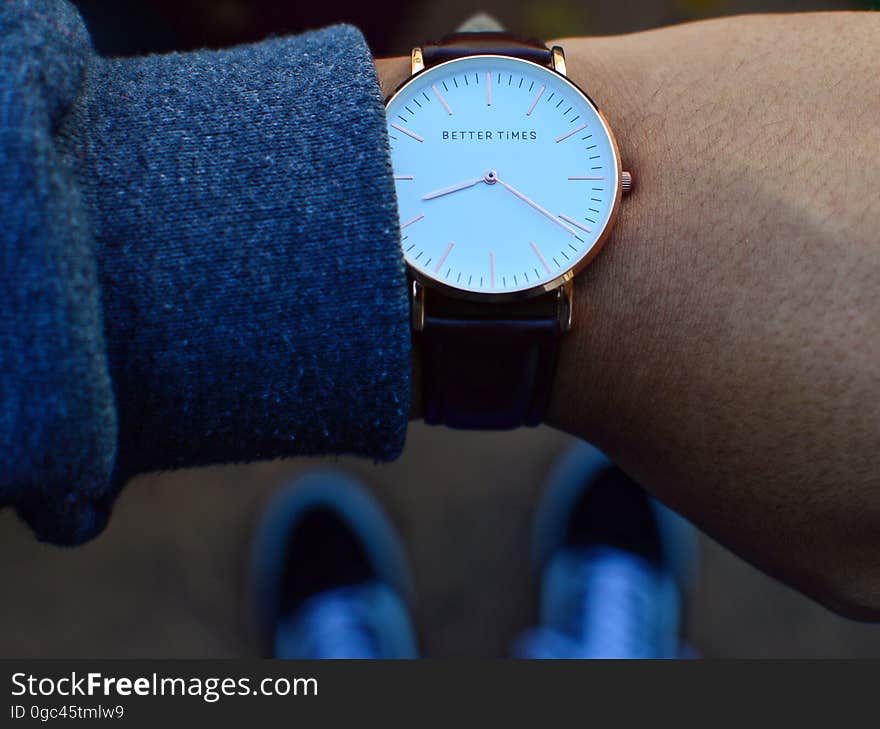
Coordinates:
<point>391,26</point>
<point>168,577</point>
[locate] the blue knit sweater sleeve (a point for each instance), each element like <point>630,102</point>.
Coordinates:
<point>199,262</point>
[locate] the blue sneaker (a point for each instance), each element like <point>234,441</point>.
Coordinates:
<point>329,574</point>
<point>615,566</point>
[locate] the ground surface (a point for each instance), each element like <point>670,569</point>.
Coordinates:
<point>168,577</point>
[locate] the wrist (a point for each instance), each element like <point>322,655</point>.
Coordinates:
<point>597,357</point>
<point>391,72</point>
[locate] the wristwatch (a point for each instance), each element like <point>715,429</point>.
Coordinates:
<point>508,183</point>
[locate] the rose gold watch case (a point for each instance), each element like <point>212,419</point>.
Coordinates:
<point>569,274</point>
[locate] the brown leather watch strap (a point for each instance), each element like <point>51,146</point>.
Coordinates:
<point>487,365</point>
<point>458,45</point>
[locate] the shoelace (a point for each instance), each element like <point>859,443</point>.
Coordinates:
<point>619,607</point>
<point>330,625</point>
<point>615,607</point>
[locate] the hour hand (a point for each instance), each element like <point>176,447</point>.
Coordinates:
<point>452,188</point>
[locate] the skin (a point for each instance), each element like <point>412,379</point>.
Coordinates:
<point>727,345</point>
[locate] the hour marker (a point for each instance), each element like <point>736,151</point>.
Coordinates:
<point>568,134</point>
<point>412,220</point>
<point>540,257</point>
<point>406,131</point>
<point>403,177</point>
<point>575,223</point>
<point>583,177</point>
<point>443,257</point>
<point>492,269</point>
<point>535,102</point>
<point>488,88</point>
<point>441,99</point>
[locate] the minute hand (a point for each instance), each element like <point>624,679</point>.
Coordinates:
<point>537,207</point>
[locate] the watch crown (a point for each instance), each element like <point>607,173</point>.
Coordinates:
<point>626,183</point>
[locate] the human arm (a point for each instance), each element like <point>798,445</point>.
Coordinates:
<point>726,347</point>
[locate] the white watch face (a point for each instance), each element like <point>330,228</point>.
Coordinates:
<point>506,174</point>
